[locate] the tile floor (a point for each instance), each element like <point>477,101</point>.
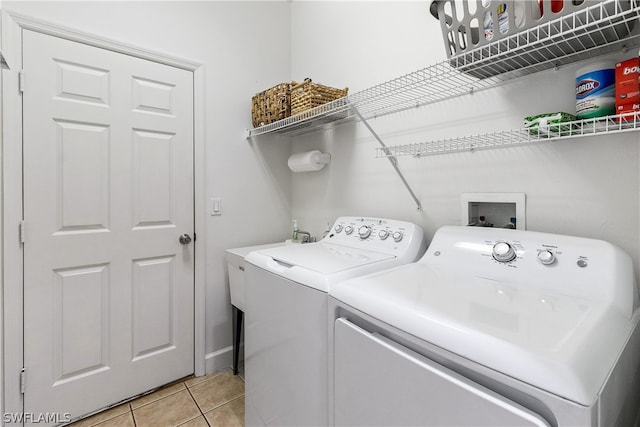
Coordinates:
<point>212,400</point>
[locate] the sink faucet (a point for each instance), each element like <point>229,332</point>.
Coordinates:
<point>306,236</point>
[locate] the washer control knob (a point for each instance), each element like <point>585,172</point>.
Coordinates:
<point>397,236</point>
<point>348,229</point>
<point>364,231</point>
<point>337,228</point>
<point>503,252</point>
<point>383,234</point>
<point>546,257</point>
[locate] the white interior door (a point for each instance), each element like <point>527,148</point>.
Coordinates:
<point>108,190</point>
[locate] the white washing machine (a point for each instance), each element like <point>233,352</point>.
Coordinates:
<point>492,327</point>
<point>286,336</point>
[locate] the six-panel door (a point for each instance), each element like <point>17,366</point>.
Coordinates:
<point>108,190</point>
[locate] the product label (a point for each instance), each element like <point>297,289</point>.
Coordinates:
<point>627,109</point>
<point>596,94</point>
<point>628,82</point>
<point>586,87</point>
<point>488,25</point>
<point>503,18</point>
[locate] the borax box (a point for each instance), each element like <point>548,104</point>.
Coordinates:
<point>628,86</point>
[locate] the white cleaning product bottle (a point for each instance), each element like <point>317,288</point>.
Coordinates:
<point>294,233</point>
<point>503,18</point>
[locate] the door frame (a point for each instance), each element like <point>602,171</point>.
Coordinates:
<point>11,250</point>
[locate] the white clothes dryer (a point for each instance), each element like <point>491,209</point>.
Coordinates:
<point>286,327</point>
<point>492,327</point>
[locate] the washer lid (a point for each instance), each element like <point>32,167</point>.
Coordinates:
<point>324,258</point>
<point>320,264</point>
<point>559,343</point>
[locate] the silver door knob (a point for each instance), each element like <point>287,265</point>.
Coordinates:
<point>185,239</point>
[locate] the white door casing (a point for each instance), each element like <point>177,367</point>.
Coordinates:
<point>79,223</point>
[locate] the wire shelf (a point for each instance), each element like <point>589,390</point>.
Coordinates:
<point>595,30</point>
<point>580,128</point>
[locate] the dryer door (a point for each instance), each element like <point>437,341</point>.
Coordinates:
<point>379,382</point>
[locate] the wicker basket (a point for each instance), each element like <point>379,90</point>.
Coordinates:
<point>271,105</point>
<point>307,95</point>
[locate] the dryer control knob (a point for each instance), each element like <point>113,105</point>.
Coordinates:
<point>364,231</point>
<point>338,228</point>
<point>397,236</point>
<point>503,252</point>
<point>383,234</point>
<point>546,257</point>
<point>348,229</point>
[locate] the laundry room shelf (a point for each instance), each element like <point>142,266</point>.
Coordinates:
<point>601,28</point>
<point>580,128</point>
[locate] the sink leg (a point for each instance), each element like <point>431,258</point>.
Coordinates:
<point>237,331</point>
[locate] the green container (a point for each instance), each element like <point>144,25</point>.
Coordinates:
<point>550,125</point>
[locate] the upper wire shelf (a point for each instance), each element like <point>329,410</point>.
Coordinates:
<point>601,28</point>
<point>580,128</point>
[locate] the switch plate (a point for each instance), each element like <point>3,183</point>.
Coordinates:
<point>216,206</point>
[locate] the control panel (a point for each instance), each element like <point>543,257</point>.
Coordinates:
<point>377,234</point>
<point>515,250</point>
<point>557,263</point>
<point>506,251</point>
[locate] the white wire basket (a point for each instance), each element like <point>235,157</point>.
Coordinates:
<point>477,31</point>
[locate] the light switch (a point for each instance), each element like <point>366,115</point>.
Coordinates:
<point>216,206</point>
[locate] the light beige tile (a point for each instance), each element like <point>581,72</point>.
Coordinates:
<point>102,416</point>
<point>197,380</point>
<point>227,415</point>
<point>124,420</point>
<point>196,422</point>
<point>217,391</point>
<point>157,395</point>
<point>172,410</point>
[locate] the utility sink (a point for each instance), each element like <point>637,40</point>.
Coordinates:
<point>235,265</point>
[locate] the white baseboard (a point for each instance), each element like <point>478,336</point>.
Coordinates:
<point>218,361</point>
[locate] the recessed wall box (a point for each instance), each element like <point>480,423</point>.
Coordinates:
<point>502,210</point>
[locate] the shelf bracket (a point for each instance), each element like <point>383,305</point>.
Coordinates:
<point>390,156</point>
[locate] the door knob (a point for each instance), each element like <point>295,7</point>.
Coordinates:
<point>185,239</point>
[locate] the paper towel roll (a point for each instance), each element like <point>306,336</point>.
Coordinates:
<point>308,161</point>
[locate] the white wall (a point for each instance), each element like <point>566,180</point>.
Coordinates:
<point>244,47</point>
<point>586,187</point>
